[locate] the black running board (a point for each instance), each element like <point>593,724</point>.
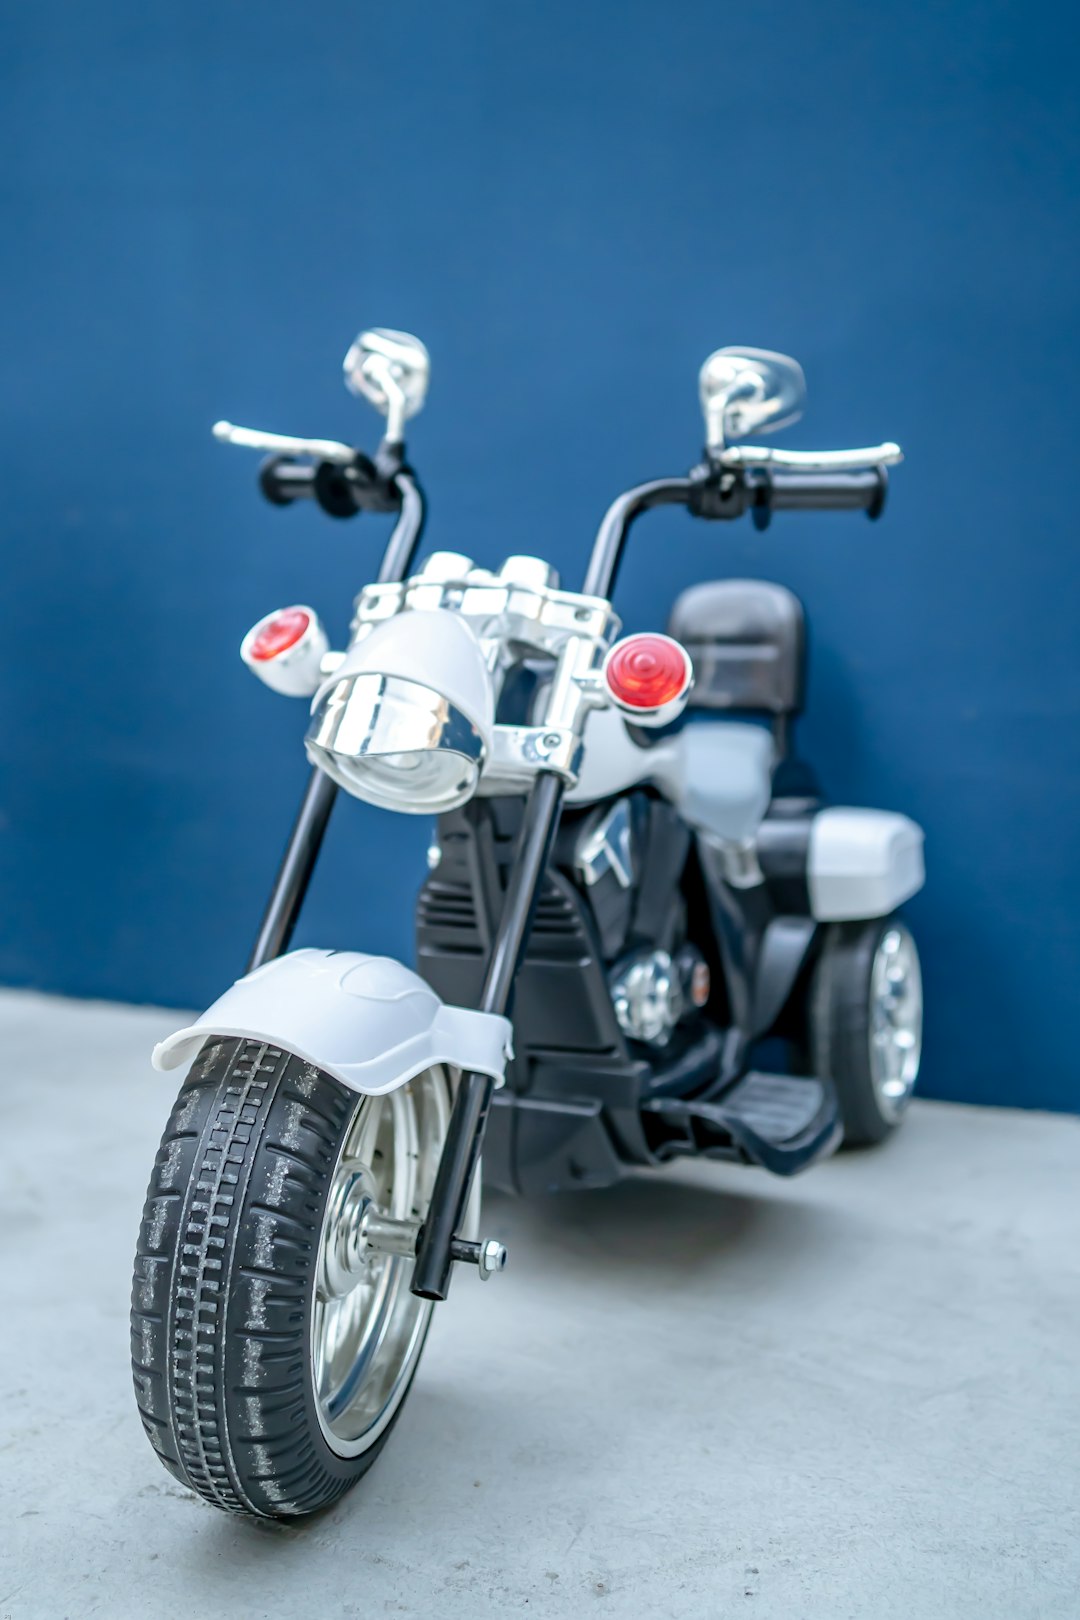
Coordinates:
<point>778,1121</point>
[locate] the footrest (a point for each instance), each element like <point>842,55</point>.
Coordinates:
<point>781,1122</point>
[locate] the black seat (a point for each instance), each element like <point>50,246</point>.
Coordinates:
<point>747,639</point>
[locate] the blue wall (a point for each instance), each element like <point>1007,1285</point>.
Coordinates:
<point>573,205</point>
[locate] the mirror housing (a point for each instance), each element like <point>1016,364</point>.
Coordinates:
<point>748,391</point>
<point>391,371</point>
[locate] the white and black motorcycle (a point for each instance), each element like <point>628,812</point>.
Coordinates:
<point>624,903</point>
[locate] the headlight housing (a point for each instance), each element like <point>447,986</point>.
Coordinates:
<point>406,721</point>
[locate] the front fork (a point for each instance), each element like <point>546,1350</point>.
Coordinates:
<point>440,1242</point>
<point>294,874</point>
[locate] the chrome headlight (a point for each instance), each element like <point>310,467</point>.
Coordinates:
<point>399,741</point>
<point>396,743</point>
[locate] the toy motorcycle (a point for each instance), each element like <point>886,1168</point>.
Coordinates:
<point>624,901</point>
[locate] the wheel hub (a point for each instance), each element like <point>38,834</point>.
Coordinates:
<point>346,1255</point>
<point>359,1233</point>
<point>895,1020</point>
<point>367,1328</point>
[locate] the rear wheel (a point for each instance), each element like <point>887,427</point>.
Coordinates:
<point>865,1012</point>
<point>274,1335</point>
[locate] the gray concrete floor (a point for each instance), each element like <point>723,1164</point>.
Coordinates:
<point>704,1394</point>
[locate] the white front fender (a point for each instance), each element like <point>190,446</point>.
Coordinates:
<point>367,1020</point>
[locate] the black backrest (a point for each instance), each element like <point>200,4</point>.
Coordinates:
<point>747,639</point>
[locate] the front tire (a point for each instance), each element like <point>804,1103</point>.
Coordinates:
<point>865,1014</point>
<point>272,1348</point>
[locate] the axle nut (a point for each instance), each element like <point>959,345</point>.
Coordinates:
<point>492,1259</point>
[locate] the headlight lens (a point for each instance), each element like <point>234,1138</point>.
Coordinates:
<point>395,743</point>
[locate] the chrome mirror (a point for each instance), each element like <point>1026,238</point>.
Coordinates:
<point>749,391</point>
<point>391,369</point>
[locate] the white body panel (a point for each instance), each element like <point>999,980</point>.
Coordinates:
<point>862,863</point>
<point>437,648</point>
<point>717,773</point>
<point>367,1020</point>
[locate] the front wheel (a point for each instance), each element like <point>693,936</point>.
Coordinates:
<point>272,1343</point>
<point>865,1015</point>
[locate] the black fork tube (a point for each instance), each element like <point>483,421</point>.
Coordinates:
<point>305,840</point>
<point>294,874</point>
<point>465,1134</point>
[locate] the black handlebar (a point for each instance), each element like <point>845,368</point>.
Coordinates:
<point>720,492</point>
<point>725,493</point>
<point>283,482</point>
<point>341,489</point>
<point>712,491</point>
<point>383,485</point>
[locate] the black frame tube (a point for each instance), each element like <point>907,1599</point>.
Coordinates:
<point>309,829</point>
<point>468,1120</point>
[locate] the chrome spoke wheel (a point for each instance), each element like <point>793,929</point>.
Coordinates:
<point>367,1329</point>
<point>896,1014</point>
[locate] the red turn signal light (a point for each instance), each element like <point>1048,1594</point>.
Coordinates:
<point>278,634</point>
<point>649,675</point>
<point>286,649</point>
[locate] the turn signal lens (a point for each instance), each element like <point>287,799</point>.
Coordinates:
<point>286,649</point>
<point>648,672</point>
<point>278,634</point>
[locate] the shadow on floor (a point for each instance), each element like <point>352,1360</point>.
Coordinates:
<point>659,1227</point>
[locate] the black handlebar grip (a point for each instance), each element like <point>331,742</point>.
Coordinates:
<point>283,482</point>
<point>863,490</point>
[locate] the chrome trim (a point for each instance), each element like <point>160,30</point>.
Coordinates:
<point>751,455</point>
<point>283,444</point>
<point>542,619</point>
<point>648,998</point>
<point>391,371</point>
<point>518,752</point>
<point>896,1019</point>
<point>519,607</point>
<point>608,848</point>
<point>382,717</point>
<point>748,391</point>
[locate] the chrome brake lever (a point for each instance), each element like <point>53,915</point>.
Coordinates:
<point>283,444</point>
<point>753,455</point>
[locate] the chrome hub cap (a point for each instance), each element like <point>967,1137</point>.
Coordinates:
<point>896,1011</point>
<point>367,1329</point>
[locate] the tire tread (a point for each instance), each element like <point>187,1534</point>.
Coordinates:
<point>223,1281</point>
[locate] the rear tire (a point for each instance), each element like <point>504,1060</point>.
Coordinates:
<point>865,1016</point>
<point>230,1277</point>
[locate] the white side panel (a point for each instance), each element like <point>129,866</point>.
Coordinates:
<point>717,773</point>
<point>612,760</point>
<point>724,782</point>
<point>367,1020</point>
<point>862,863</point>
